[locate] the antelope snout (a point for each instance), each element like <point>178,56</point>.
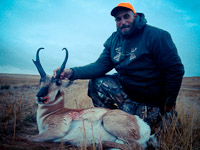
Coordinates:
<point>43,92</point>
<point>42,95</point>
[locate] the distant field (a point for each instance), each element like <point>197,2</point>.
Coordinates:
<point>18,110</point>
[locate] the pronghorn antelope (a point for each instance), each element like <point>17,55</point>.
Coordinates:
<point>111,128</point>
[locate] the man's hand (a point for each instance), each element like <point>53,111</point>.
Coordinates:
<point>66,74</point>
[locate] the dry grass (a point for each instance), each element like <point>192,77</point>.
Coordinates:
<point>184,132</point>
<point>18,111</point>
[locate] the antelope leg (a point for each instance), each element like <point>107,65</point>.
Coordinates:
<point>121,125</point>
<point>47,136</point>
<point>108,144</point>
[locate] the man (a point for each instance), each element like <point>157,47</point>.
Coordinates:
<point>149,70</point>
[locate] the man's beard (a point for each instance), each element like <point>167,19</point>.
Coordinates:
<point>126,33</point>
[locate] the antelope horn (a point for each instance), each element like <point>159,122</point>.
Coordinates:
<point>63,65</point>
<point>38,64</point>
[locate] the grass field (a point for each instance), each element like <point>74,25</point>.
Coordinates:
<point>18,114</point>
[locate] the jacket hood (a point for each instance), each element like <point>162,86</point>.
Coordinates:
<point>138,24</point>
<point>140,21</point>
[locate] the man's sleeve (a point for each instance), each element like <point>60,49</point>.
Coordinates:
<point>167,59</point>
<point>99,68</point>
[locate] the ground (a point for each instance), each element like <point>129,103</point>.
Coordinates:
<point>18,113</point>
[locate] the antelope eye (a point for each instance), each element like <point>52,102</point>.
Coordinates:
<point>58,82</point>
<point>42,80</point>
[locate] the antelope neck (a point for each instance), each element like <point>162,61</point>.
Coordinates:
<point>55,106</point>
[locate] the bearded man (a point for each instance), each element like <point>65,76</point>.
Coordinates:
<point>149,69</point>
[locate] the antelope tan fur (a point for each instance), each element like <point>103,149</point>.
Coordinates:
<point>99,126</point>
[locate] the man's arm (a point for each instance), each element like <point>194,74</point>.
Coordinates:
<point>99,68</point>
<point>93,70</point>
<point>168,61</point>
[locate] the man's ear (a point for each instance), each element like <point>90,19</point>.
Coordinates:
<point>135,15</point>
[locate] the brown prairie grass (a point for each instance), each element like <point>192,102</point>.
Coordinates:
<point>183,132</point>
<point>18,116</point>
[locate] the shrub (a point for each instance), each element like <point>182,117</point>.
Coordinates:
<point>6,87</point>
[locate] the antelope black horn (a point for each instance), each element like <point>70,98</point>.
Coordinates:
<point>63,65</point>
<point>38,64</point>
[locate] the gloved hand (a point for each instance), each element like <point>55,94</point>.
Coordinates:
<point>170,104</point>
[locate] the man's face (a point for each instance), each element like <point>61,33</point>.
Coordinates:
<point>124,20</point>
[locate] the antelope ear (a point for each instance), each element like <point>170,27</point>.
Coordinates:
<point>67,84</point>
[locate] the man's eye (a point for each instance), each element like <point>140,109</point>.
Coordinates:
<point>126,16</point>
<point>117,19</point>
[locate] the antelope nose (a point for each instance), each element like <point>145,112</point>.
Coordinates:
<point>42,92</point>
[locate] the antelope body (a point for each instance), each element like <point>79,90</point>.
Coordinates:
<point>112,128</point>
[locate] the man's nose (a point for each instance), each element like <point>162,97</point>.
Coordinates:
<point>123,21</point>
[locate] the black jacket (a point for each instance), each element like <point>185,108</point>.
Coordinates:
<point>147,62</point>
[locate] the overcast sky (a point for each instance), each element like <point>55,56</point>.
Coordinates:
<point>82,26</point>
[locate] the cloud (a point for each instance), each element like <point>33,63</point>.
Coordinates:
<point>82,27</point>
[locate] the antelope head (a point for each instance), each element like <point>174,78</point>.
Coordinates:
<point>50,87</point>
